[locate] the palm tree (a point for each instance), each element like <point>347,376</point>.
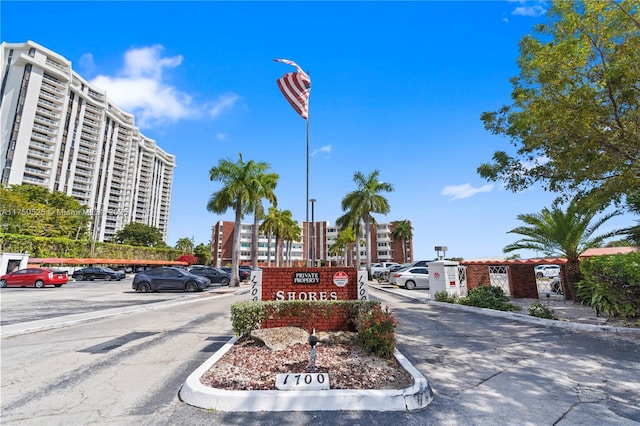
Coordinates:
<point>351,222</point>
<point>403,232</point>
<point>291,232</point>
<point>263,186</point>
<point>185,245</point>
<point>273,225</point>
<point>238,193</point>
<point>559,233</point>
<point>364,201</point>
<point>345,241</point>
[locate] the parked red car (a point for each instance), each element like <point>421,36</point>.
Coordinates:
<point>34,277</point>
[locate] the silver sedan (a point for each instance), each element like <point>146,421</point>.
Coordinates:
<point>411,278</point>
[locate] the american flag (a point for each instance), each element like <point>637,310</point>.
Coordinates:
<point>295,86</point>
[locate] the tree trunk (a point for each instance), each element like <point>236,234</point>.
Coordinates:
<point>367,242</point>
<point>254,241</point>
<point>235,251</point>
<point>269,250</point>
<point>573,276</point>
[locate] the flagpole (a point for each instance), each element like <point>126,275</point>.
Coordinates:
<point>307,203</point>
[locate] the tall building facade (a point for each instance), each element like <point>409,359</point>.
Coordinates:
<point>318,246</point>
<point>60,132</point>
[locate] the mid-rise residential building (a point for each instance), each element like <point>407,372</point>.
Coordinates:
<point>322,236</point>
<point>60,132</point>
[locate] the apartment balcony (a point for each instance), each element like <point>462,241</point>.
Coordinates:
<point>57,100</point>
<point>38,136</point>
<point>93,108</point>
<point>53,81</point>
<point>56,65</point>
<point>51,87</point>
<point>47,129</point>
<point>36,171</point>
<point>80,194</point>
<point>91,114</point>
<point>87,150</point>
<point>48,112</point>
<point>86,157</point>
<point>37,162</point>
<point>35,180</point>
<point>38,154</point>
<point>44,102</point>
<point>84,172</point>
<point>88,143</point>
<point>41,119</point>
<point>96,95</point>
<point>86,135</point>
<point>82,179</point>
<point>40,145</point>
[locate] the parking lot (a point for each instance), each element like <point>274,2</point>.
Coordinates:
<point>75,297</point>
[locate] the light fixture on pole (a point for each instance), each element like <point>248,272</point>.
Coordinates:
<point>313,234</point>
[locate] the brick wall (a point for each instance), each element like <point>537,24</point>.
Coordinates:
<point>522,278</point>
<point>278,284</point>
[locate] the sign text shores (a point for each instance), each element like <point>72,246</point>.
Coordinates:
<point>306,278</point>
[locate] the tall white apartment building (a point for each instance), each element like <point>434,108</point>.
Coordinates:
<point>58,131</point>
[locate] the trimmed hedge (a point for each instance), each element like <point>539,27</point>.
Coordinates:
<point>247,316</point>
<point>63,247</point>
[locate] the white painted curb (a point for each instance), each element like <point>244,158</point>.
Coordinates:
<point>193,392</point>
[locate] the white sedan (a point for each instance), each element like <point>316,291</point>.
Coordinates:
<point>417,277</point>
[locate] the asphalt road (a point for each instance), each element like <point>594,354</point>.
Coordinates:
<point>127,368</point>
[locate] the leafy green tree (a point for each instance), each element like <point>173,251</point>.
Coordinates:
<point>203,253</point>
<point>575,116</point>
<point>34,210</point>
<point>139,234</point>
<point>238,192</point>
<point>403,232</point>
<point>564,234</point>
<point>361,203</point>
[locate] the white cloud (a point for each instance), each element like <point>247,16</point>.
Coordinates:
<point>223,103</point>
<point>457,192</point>
<point>140,88</point>
<point>220,136</point>
<point>324,149</point>
<point>528,9</point>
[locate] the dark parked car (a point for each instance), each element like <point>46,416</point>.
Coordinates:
<point>34,277</point>
<point>168,278</point>
<point>215,275</point>
<point>95,273</point>
<point>244,271</point>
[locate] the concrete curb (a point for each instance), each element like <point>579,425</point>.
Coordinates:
<point>193,392</point>
<point>519,317</point>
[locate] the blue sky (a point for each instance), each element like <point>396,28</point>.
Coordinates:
<point>396,86</point>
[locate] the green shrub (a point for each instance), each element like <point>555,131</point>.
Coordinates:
<point>538,310</point>
<point>444,296</point>
<point>490,297</point>
<point>376,331</point>
<point>611,284</point>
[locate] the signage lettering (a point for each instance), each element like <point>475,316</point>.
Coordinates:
<point>306,278</point>
<point>311,295</point>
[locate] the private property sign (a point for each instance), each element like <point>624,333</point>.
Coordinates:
<point>306,278</point>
